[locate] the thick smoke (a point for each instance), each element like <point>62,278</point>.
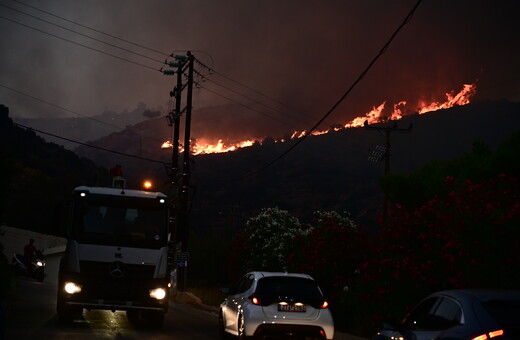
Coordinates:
<point>302,53</point>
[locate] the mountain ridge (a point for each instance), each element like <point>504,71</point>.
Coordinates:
<point>325,172</point>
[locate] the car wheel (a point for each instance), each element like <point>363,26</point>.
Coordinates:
<point>221,327</point>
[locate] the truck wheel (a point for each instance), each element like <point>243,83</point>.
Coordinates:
<point>154,318</point>
<point>133,316</point>
<point>67,313</point>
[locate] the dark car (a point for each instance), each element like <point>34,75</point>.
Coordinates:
<point>459,314</point>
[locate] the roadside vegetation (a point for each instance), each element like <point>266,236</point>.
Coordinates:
<point>451,225</point>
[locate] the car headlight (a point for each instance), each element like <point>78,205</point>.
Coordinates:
<point>40,264</point>
<point>72,288</point>
<point>158,293</point>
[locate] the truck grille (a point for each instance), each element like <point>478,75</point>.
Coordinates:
<point>131,282</point>
<point>116,270</point>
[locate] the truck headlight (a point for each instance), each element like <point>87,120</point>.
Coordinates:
<point>72,288</point>
<point>158,293</point>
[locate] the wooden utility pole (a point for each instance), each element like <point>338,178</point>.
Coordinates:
<point>181,184</point>
<point>387,130</point>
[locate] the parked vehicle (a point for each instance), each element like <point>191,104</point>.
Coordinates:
<point>117,255</point>
<point>459,314</point>
<point>271,303</point>
<point>33,267</point>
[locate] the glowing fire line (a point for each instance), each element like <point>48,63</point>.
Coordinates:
<point>376,115</point>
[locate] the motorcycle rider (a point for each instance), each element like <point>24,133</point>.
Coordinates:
<point>29,251</point>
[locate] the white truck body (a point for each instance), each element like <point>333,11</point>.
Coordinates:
<point>117,254</point>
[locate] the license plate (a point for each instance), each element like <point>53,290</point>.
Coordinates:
<point>298,308</point>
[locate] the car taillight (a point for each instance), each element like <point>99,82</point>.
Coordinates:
<point>254,300</point>
<point>489,335</point>
<point>324,305</point>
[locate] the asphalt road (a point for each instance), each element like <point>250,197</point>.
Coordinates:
<point>31,314</point>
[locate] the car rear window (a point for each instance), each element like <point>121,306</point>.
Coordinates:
<point>295,287</point>
<point>506,313</point>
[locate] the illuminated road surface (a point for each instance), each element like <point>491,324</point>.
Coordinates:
<point>31,314</point>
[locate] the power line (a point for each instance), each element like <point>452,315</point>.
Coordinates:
<point>243,105</point>
<point>100,51</point>
<point>71,111</point>
<point>79,44</point>
<point>59,107</point>
<point>92,29</point>
<point>81,34</point>
<point>141,55</point>
<point>211,69</point>
<point>361,76</point>
<point>91,146</point>
<point>151,49</point>
<point>249,98</point>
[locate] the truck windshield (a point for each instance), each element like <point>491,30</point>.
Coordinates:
<point>120,221</point>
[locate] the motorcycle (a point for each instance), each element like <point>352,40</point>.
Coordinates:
<point>33,268</point>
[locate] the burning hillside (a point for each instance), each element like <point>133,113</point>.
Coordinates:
<point>376,115</point>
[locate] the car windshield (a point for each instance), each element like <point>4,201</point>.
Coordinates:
<point>129,221</point>
<point>290,287</point>
<point>506,313</point>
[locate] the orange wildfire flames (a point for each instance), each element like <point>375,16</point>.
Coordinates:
<point>376,115</point>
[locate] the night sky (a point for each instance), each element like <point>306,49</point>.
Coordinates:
<point>304,54</point>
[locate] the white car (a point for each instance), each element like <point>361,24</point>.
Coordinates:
<point>270,303</point>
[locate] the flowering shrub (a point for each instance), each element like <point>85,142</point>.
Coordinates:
<point>268,239</point>
<point>466,239</point>
<point>328,251</point>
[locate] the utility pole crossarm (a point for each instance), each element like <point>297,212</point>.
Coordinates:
<point>387,130</point>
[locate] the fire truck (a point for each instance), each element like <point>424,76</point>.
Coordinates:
<point>117,254</point>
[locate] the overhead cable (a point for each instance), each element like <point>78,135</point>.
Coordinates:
<point>81,34</point>
<point>91,28</point>
<point>119,128</point>
<point>248,97</point>
<point>211,69</point>
<point>89,145</point>
<point>342,98</point>
<point>79,44</point>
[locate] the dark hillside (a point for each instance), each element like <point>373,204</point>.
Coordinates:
<point>37,177</point>
<point>332,172</point>
<point>327,172</point>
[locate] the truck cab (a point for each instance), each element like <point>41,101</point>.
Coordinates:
<point>117,254</point>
